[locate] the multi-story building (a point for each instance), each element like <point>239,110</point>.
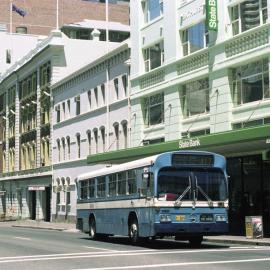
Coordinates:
<point>10,52</point>
<point>26,129</point>
<point>41,16</point>
<point>118,32</point>
<point>91,116</point>
<point>200,80</point>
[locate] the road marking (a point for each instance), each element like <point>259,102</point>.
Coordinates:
<point>105,249</point>
<point>176,264</point>
<point>240,247</point>
<point>22,238</point>
<point>104,254</point>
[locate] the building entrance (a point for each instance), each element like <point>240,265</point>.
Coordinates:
<point>249,191</point>
<point>33,204</point>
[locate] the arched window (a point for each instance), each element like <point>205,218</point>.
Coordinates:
<point>64,148</point>
<point>59,150</point>
<point>88,133</point>
<point>102,132</point>
<point>125,133</point>
<point>68,147</point>
<point>78,137</point>
<point>96,139</point>
<point>116,135</point>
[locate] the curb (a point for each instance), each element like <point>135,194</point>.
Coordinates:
<point>241,242</point>
<point>39,228</point>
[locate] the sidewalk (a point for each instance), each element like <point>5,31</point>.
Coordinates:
<point>71,227</point>
<point>34,224</point>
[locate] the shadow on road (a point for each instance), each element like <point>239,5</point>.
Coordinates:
<point>155,244</point>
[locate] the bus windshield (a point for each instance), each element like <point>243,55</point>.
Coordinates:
<point>179,184</point>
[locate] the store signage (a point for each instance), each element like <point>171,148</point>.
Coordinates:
<point>189,143</point>
<point>36,188</point>
<point>211,15</point>
<point>2,192</point>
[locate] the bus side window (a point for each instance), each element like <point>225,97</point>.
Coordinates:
<point>101,187</point>
<point>121,183</point>
<point>112,185</point>
<point>132,183</point>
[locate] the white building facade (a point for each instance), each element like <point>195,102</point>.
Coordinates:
<point>26,122</point>
<point>205,87</point>
<point>91,116</point>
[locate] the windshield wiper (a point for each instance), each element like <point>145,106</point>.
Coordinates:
<point>210,202</point>
<point>178,201</point>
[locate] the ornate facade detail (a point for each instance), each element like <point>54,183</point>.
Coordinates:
<point>247,42</point>
<point>192,63</point>
<point>152,79</point>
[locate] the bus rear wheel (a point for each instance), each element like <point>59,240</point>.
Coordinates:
<point>92,228</point>
<point>134,231</point>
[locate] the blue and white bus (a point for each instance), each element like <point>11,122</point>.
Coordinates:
<point>181,193</point>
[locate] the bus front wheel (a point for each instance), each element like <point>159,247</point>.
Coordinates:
<point>92,228</point>
<point>134,231</point>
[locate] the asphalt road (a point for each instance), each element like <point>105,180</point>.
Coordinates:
<point>22,248</point>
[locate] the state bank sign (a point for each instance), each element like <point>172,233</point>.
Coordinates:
<point>211,15</point>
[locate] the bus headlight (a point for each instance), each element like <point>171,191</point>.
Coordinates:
<point>220,218</point>
<point>165,218</point>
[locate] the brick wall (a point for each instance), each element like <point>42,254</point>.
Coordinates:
<point>41,15</point>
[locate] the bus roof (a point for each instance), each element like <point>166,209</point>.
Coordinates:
<point>118,168</point>
<point>136,164</point>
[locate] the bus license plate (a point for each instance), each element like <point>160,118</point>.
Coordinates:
<point>206,218</point>
<point>180,218</point>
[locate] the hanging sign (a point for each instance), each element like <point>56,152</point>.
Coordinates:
<point>211,15</point>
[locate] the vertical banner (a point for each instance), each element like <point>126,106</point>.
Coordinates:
<point>211,15</point>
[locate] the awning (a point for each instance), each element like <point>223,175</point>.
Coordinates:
<point>230,143</point>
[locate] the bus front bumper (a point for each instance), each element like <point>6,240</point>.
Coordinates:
<point>169,228</point>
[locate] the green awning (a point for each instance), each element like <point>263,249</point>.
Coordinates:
<point>247,140</point>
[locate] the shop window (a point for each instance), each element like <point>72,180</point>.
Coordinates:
<point>194,98</point>
<point>247,15</point>
<point>153,110</point>
<point>250,82</point>
<point>194,38</point>
<point>153,56</point>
